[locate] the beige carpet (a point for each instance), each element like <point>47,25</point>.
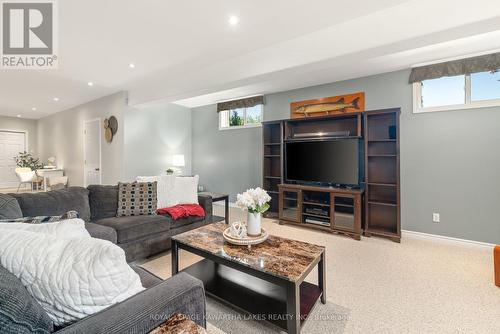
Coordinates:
<point>418,286</point>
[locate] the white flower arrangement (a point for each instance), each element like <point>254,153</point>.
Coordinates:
<point>254,200</point>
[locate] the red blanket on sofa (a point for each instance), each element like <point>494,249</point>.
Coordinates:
<point>183,211</point>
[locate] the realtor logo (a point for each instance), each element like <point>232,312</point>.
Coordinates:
<point>28,34</point>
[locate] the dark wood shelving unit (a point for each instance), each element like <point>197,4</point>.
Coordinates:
<point>382,209</point>
<point>272,137</point>
<point>375,207</point>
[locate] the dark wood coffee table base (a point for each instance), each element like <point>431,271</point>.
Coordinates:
<point>284,303</point>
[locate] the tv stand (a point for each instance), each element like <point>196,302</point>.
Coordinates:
<point>335,210</point>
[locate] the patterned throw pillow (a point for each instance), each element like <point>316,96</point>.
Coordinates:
<point>136,199</point>
<point>42,219</point>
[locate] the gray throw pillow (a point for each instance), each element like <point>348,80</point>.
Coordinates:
<point>19,312</point>
<point>137,199</point>
<point>9,207</point>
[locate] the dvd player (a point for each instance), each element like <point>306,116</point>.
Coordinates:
<point>317,222</point>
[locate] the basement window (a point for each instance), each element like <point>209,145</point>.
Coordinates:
<point>241,117</point>
<point>467,91</point>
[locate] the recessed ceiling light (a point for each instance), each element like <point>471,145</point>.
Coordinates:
<point>56,99</point>
<point>18,116</point>
<point>233,20</point>
<point>131,65</point>
<point>90,83</point>
<point>34,108</point>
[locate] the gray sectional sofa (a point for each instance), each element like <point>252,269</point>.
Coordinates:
<point>21,314</point>
<point>140,237</point>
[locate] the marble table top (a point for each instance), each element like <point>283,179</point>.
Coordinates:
<point>179,324</point>
<point>285,258</point>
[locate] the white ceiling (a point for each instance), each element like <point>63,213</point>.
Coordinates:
<point>186,52</point>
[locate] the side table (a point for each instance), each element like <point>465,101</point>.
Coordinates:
<point>216,197</point>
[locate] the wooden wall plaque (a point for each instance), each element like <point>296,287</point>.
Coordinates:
<point>333,105</point>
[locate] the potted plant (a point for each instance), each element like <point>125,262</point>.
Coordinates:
<point>25,159</point>
<point>170,171</point>
<point>255,202</point>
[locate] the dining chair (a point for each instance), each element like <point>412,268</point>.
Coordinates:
<point>25,176</point>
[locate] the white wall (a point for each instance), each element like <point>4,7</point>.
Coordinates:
<point>152,136</point>
<point>61,135</point>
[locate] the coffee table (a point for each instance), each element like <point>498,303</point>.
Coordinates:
<point>266,281</point>
<point>179,324</point>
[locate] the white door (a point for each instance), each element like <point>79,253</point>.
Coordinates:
<point>92,151</point>
<point>11,143</point>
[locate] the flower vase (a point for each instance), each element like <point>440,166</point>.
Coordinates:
<point>254,220</point>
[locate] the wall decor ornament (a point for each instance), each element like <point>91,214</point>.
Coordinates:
<point>333,105</point>
<point>110,128</point>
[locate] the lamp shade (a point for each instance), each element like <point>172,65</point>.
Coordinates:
<point>178,160</point>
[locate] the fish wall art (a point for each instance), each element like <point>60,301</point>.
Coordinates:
<point>333,105</point>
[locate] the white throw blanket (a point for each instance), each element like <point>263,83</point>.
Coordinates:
<point>69,228</point>
<point>70,277</point>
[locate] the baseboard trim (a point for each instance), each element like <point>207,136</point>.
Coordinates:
<point>435,237</point>
<point>438,237</point>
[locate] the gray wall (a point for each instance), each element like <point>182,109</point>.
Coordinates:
<point>61,135</point>
<point>152,136</point>
<point>21,124</point>
<point>449,160</point>
<point>227,161</point>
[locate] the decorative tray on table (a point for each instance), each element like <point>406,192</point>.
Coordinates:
<point>236,235</point>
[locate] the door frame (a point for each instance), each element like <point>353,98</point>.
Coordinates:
<point>26,134</point>
<point>85,150</point>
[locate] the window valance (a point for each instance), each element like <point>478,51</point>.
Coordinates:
<point>490,62</point>
<point>241,103</point>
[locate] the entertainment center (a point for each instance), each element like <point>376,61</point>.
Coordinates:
<point>336,173</point>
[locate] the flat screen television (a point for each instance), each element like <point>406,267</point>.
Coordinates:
<point>332,162</point>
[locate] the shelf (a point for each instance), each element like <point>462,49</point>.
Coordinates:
<point>316,203</point>
<point>382,155</point>
<point>273,177</point>
<point>318,226</point>
<point>291,199</point>
<point>272,192</point>
<point>382,203</point>
<point>320,138</point>
<point>272,156</point>
<point>381,184</point>
<point>315,215</point>
<point>344,205</point>
<point>271,144</point>
<point>380,230</point>
<point>326,227</point>
<point>381,140</point>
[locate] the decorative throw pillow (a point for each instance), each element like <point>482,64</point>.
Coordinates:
<point>165,189</point>
<point>42,219</point>
<point>70,278</point>
<point>186,189</point>
<point>9,207</point>
<point>19,312</point>
<point>137,199</point>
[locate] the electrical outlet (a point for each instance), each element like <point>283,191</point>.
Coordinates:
<point>435,217</point>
